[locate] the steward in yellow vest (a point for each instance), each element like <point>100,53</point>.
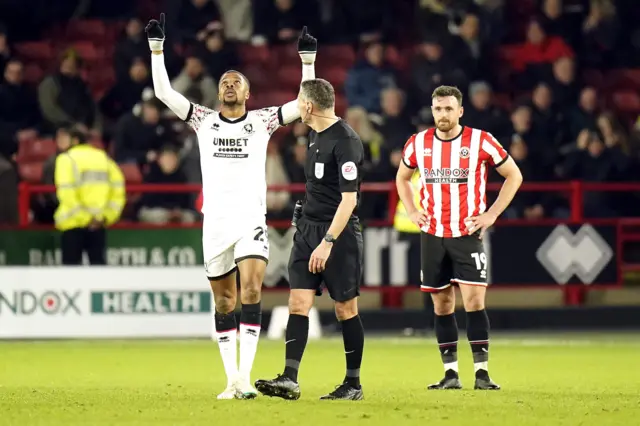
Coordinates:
<point>91,193</point>
<point>401,221</point>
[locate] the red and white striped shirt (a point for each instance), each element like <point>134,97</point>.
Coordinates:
<point>453,176</point>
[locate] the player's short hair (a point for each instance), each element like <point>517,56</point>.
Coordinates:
<point>444,91</point>
<point>244,77</point>
<point>320,92</point>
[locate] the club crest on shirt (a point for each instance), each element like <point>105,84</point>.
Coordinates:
<point>248,128</point>
<point>464,152</point>
<point>319,170</point>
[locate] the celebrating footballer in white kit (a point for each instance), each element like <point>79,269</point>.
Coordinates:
<point>233,145</point>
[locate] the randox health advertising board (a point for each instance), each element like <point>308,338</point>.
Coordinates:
<point>54,302</point>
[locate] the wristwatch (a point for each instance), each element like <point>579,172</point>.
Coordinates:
<point>329,238</point>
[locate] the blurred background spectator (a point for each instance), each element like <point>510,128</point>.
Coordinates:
<point>556,81</point>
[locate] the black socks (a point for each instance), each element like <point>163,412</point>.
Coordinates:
<point>447,336</point>
<point>295,341</point>
<point>353,338</point>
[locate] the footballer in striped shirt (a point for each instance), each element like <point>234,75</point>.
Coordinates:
<point>453,162</point>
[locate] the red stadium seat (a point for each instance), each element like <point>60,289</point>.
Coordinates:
<point>339,54</point>
<point>88,51</point>
<point>131,173</point>
<point>33,73</point>
<point>257,75</point>
<point>593,78</point>
<point>31,172</point>
<point>284,55</point>
<point>36,150</point>
<point>280,97</point>
<point>336,75</point>
<point>253,54</point>
<point>88,29</point>
<point>40,51</point>
<point>626,101</point>
<point>341,104</point>
<point>288,77</point>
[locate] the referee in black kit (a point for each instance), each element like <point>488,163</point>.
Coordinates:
<point>327,245</point>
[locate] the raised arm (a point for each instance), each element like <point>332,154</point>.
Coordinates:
<point>307,49</point>
<point>161,85</point>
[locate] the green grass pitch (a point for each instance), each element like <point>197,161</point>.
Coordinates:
<point>557,380</point>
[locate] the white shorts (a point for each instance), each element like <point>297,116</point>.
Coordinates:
<point>223,250</point>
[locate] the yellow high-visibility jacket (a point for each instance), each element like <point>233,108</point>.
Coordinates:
<point>401,221</point>
<point>88,185</point>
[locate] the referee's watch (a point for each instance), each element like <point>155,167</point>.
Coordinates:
<point>330,238</point>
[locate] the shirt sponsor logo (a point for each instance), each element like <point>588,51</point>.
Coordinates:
<point>447,175</point>
<point>349,170</point>
<point>230,147</point>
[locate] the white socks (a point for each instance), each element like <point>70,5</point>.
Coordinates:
<point>249,336</point>
<point>229,353</point>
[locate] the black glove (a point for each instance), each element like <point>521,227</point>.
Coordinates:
<point>307,47</point>
<point>155,33</point>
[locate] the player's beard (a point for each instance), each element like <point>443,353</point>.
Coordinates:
<point>231,101</point>
<point>446,126</point>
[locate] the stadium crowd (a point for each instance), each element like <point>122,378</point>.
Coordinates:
<point>552,80</point>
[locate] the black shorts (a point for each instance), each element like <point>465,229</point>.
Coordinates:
<point>447,261</point>
<point>343,272</point>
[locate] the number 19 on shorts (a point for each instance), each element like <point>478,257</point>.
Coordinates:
<point>481,263</point>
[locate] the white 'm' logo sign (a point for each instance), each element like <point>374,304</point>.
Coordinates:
<point>584,254</point>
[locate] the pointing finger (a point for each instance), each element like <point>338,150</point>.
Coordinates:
<point>162,21</point>
<point>304,31</point>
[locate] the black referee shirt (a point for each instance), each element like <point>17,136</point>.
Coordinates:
<point>334,165</point>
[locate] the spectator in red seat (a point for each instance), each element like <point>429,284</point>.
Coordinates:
<point>195,83</point>
<point>161,208</point>
<point>480,112</point>
<point>533,58</point>
<point>9,191</point>
<point>131,46</point>
<point>394,124</point>
<point>563,83</point>
<point>139,137</point>
<point>19,115</point>
<point>5,51</point>
<point>278,202</point>
<point>583,115</point>
<point>295,152</point>
<point>65,98</point>
<point>601,30</point>
<point>217,55</point>
<point>548,122</point>
<point>127,92</point>
<point>191,19</point>
<point>45,205</point>
<point>367,79</point>
<point>431,68</point>
<point>280,21</point>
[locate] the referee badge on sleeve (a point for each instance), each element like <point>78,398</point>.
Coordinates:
<point>319,170</point>
<point>349,170</point>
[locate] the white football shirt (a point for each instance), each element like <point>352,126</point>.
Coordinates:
<point>233,157</point>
